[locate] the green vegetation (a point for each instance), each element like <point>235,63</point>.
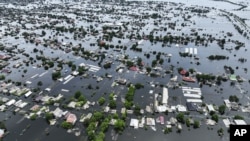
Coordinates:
<point>39,83</point>
<point>220,132</point>
<point>66,125</point>
<point>139,86</point>
<point>77,94</point>
<point>217,57</point>
<point>196,124</point>
<point>33,117</point>
<point>49,116</point>
<point>129,97</point>
<point>130,64</point>
<point>101,100</point>
<point>215,117</point>
<point>56,75</point>
<point>104,125</point>
<point>222,109</point>
<point>100,137</point>
<point>95,124</point>
<point>180,118</point>
<point>167,130</point>
<point>112,104</point>
<point>137,110</point>
<point>203,77</point>
<point>107,65</point>
<point>230,69</point>
<point>2,126</point>
<point>148,69</point>
<point>238,117</point>
<point>233,98</point>
<point>79,98</point>
<point>188,123</point>
<point>119,125</point>
<point>2,77</point>
<point>184,54</point>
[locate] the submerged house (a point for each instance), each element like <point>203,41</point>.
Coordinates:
<point>71,118</point>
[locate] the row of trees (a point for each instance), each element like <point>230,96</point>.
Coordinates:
<point>181,118</point>
<point>98,125</point>
<point>129,97</point>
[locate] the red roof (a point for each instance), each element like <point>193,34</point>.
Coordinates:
<point>134,68</point>
<point>162,119</point>
<point>183,72</point>
<point>71,118</point>
<point>188,79</point>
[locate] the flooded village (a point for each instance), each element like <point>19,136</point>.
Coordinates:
<point>123,70</point>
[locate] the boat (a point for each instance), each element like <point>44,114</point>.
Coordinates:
<point>188,79</point>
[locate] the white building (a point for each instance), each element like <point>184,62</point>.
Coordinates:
<point>165,96</point>
<point>134,123</point>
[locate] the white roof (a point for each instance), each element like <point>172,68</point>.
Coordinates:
<point>58,112</point>
<point>210,107</point>
<point>165,96</point>
<point>11,102</point>
<point>1,132</point>
<point>161,108</point>
<point>134,123</point>
<point>150,121</point>
<point>2,107</point>
<point>194,100</point>
<point>226,122</point>
<point>28,94</point>
<point>181,108</point>
<point>240,122</point>
<point>72,104</point>
<point>192,95</point>
<point>48,89</point>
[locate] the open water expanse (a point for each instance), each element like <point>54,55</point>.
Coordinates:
<point>23,129</point>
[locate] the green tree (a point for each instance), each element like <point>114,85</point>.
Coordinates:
<point>39,83</point>
<point>56,75</point>
<point>233,98</point>
<point>104,125</point>
<point>238,117</point>
<point>100,137</point>
<point>119,125</point>
<point>220,132</point>
<point>128,104</point>
<point>49,116</point>
<point>2,77</point>
<point>148,69</point>
<point>82,98</point>
<point>98,116</point>
<point>222,109</point>
<point>112,104</point>
<point>70,63</point>
<point>2,126</point>
<point>77,94</point>
<point>139,85</point>
<point>215,117</point>
<point>33,117</point>
<point>154,63</point>
<point>66,125</point>
<point>137,110</point>
<point>196,124</point>
<point>180,117</point>
<point>188,122</point>
<point>101,100</point>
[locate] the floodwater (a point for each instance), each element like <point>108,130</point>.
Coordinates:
<point>37,129</point>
